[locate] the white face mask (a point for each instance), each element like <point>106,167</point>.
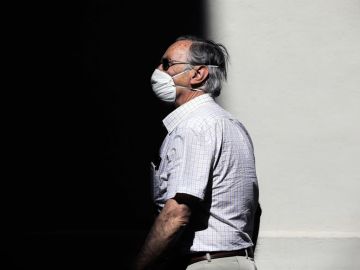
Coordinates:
<point>164,86</point>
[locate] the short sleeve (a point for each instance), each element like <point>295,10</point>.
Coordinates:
<point>192,156</point>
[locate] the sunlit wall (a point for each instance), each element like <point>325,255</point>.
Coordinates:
<point>294,81</point>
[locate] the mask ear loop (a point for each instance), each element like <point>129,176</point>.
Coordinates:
<point>192,89</point>
<point>182,72</point>
<point>190,68</point>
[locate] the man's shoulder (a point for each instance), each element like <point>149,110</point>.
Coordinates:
<point>207,116</point>
<point>205,120</point>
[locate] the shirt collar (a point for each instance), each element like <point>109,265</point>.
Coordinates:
<point>183,111</point>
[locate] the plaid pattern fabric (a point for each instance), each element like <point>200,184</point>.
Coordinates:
<point>208,154</point>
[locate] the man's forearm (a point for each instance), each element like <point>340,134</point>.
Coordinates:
<point>167,225</point>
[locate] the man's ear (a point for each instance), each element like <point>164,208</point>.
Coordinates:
<point>200,74</point>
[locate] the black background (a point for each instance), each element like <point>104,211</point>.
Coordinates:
<point>86,128</point>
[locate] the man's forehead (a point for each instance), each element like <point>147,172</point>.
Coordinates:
<point>178,50</point>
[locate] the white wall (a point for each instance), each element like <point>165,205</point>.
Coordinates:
<point>294,81</point>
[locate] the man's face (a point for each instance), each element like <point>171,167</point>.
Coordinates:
<point>176,55</point>
<point>175,61</point>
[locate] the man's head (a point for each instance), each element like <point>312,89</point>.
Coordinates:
<point>190,67</point>
<point>205,55</point>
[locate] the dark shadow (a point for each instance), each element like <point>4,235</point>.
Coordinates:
<point>257,220</point>
<point>91,127</point>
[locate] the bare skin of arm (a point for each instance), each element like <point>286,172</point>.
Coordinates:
<point>172,218</point>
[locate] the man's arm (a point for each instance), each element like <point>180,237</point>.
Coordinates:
<point>172,218</point>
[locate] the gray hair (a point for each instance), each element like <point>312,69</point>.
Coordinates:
<point>213,55</point>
